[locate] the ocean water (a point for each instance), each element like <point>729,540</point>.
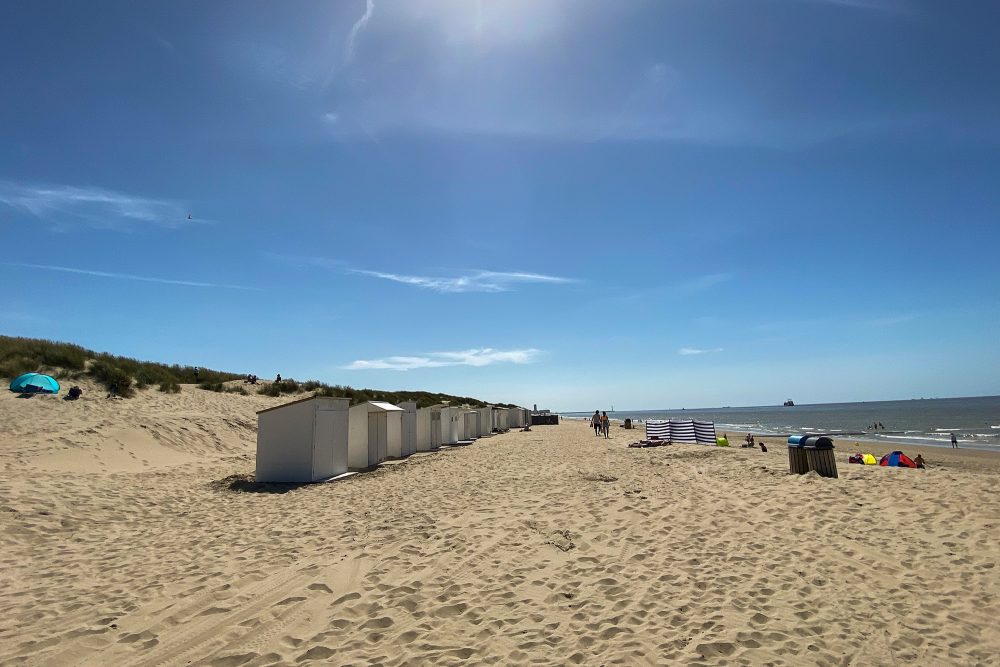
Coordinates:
<point>975,421</point>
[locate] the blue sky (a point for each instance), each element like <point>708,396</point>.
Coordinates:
<point>673,203</point>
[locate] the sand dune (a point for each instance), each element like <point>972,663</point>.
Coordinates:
<point>549,547</point>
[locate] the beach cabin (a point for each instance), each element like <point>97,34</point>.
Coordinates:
<point>503,418</point>
<point>470,421</point>
<point>452,425</point>
<point>485,420</point>
<point>429,428</point>
<point>303,441</point>
<point>408,442</point>
<point>375,430</point>
<point>515,418</point>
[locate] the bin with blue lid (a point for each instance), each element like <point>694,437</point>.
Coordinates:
<point>811,452</point>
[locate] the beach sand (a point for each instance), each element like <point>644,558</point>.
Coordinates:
<point>122,547</point>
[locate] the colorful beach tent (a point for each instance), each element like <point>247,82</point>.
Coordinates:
<point>869,460</point>
<point>35,383</point>
<point>897,459</point>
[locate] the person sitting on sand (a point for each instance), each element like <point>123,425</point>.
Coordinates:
<point>919,461</point>
<point>762,447</point>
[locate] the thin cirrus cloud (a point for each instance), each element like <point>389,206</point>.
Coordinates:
<point>68,205</point>
<point>690,351</point>
<point>873,5</point>
<point>471,66</point>
<point>475,357</point>
<point>476,281</point>
<point>702,283</point>
<point>124,276</point>
<point>892,320</point>
<point>356,29</point>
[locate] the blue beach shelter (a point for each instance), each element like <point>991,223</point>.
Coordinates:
<point>35,383</point>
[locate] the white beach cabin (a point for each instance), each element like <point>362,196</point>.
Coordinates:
<point>302,441</point>
<point>470,421</point>
<point>408,440</point>
<point>429,428</point>
<point>449,425</point>
<point>503,417</point>
<point>375,429</point>
<point>485,420</point>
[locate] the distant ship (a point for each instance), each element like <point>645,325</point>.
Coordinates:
<point>789,403</point>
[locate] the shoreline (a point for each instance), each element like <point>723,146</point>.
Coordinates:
<point>896,442</point>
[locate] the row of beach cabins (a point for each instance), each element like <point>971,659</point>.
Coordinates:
<point>319,438</point>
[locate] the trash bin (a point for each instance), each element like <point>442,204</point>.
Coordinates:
<point>811,452</point>
<point>797,463</point>
<point>819,455</point>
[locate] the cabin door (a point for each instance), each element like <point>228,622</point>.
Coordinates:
<point>377,437</point>
<point>323,445</point>
<point>409,444</point>
<point>435,430</point>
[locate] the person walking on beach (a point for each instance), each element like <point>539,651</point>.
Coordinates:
<point>595,421</point>
<point>954,441</point>
<point>605,425</point>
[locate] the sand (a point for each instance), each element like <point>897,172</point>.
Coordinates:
<point>121,547</point>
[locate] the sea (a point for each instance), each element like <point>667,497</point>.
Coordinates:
<point>975,421</point>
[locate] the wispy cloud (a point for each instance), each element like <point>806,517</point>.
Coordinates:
<point>687,351</point>
<point>359,25</point>
<point>124,276</point>
<point>165,43</point>
<point>476,357</point>
<point>464,67</point>
<point>702,283</point>
<point>476,281</point>
<point>67,205</point>
<point>12,316</point>
<point>892,320</point>
<point>323,262</point>
<point>873,5</point>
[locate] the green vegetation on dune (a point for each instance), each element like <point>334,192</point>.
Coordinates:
<point>422,398</point>
<point>68,362</point>
<point>125,375</point>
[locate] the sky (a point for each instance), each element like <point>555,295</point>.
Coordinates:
<point>569,203</point>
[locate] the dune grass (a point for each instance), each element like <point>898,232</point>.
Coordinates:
<point>126,375</point>
<point>122,374</point>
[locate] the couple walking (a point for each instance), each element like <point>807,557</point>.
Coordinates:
<point>601,423</point>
